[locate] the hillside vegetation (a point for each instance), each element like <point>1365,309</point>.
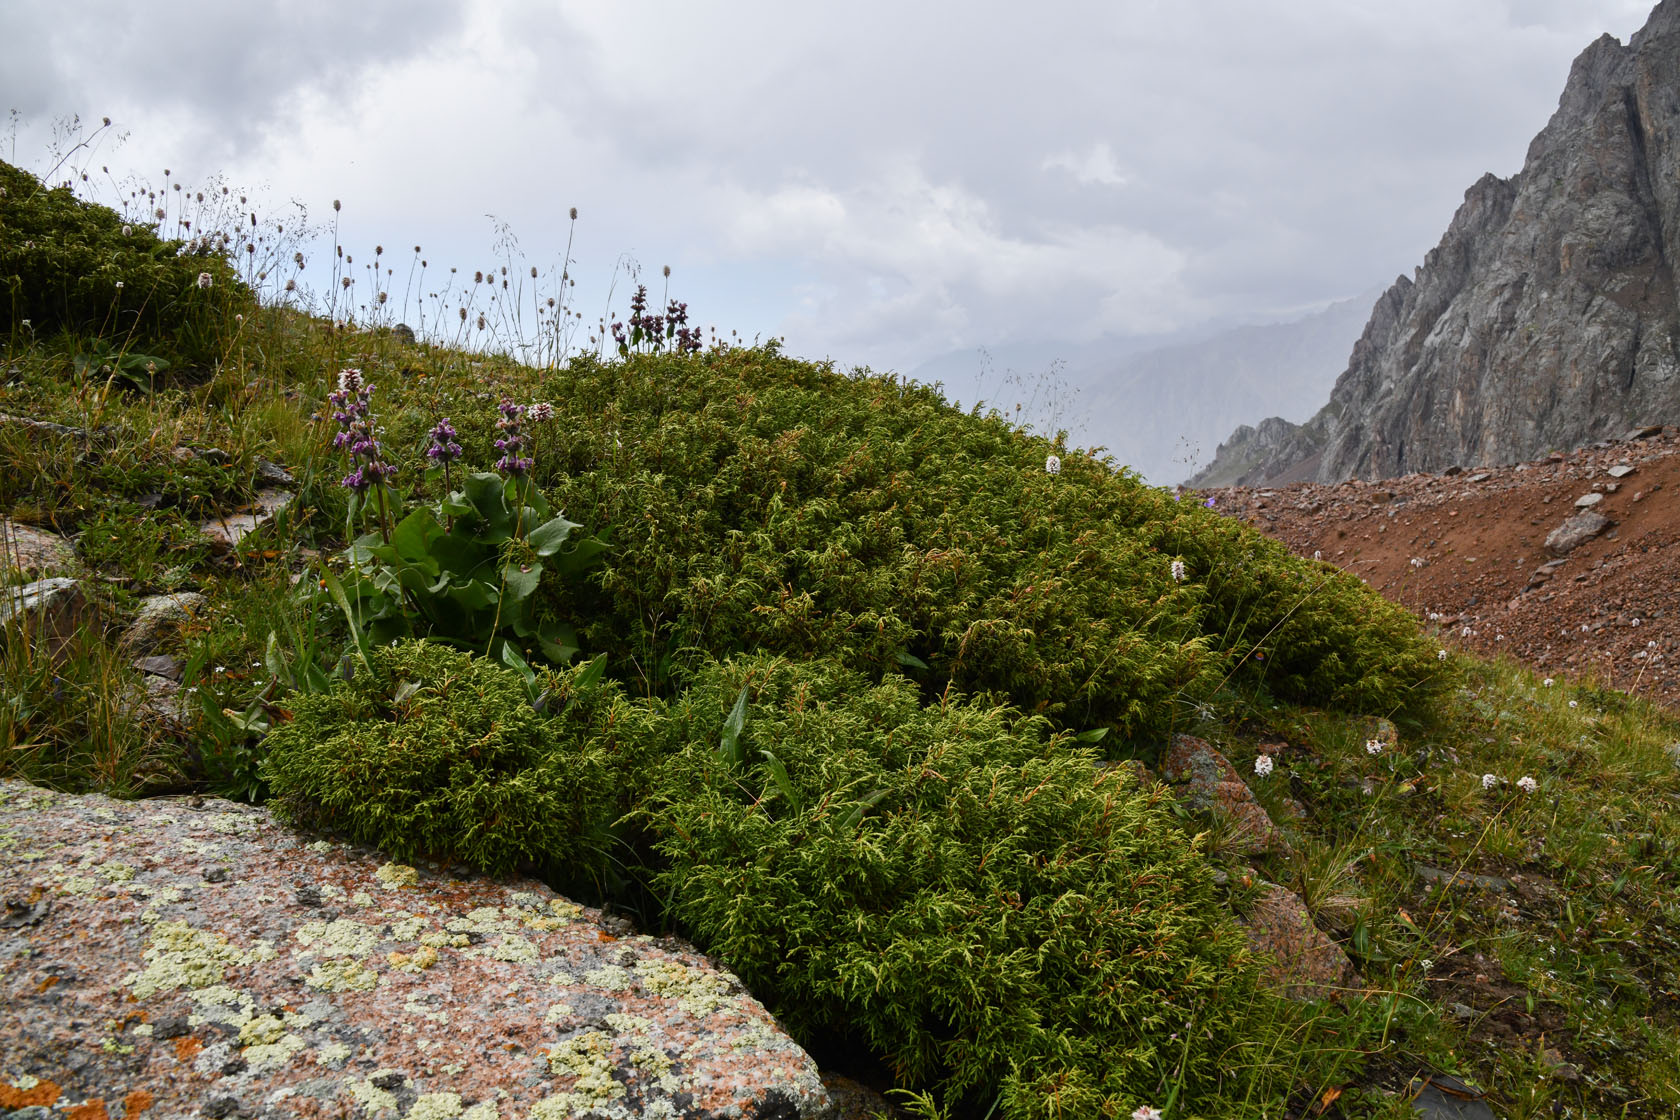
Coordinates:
<point>861,693</point>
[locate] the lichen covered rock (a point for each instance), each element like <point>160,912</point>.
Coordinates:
<point>194,954</point>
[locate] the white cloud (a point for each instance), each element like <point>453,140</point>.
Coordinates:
<point>1095,165</point>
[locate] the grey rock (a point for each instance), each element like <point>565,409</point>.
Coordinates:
<point>158,619</point>
<point>1620,470</point>
<point>402,332</point>
<point>54,608</point>
<point>1547,316</point>
<point>272,474</point>
<point>34,551</point>
<point>159,665</point>
<point>1575,532</point>
<point>1587,501</point>
<point>1645,432</point>
<point>226,532</point>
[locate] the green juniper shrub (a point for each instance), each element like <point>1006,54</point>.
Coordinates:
<point>429,751</point>
<point>998,917</point>
<point>756,502</point>
<point>71,265</point>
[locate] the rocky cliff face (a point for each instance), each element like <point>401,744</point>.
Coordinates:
<point>1545,319</point>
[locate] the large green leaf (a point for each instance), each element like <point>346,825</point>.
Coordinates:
<point>547,538</point>
<point>519,581</point>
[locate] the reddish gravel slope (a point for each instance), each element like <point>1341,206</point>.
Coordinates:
<point>1467,551</point>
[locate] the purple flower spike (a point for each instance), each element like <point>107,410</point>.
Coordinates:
<point>512,440</point>
<point>443,447</point>
<point>1208,503</point>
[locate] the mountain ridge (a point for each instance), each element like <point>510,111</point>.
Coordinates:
<point>1545,318</point>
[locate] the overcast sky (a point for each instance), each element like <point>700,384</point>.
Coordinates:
<point>877,181</point>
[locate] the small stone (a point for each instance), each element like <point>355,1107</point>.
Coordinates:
<point>1463,1012</point>
<point>159,665</point>
<point>273,474</point>
<point>1577,531</point>
<point>215,875</point>
<point>1587,501</point>
<point>225,533</point>
<point>159,618</point>
<point>1620,470</point>
<point>55,607</point>
<point>33,551</point>
<point>1645,432</point>
<point>1481,476</point>
<point>402,332</point>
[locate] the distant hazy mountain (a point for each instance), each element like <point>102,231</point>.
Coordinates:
<point>1161,403</point>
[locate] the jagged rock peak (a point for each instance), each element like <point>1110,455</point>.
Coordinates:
<point>1546,317</point>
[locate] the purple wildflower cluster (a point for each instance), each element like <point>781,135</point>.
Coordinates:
<point>443,448</point>
<point>352,405</point>
<point>512,440</point>
<point>656,328</point>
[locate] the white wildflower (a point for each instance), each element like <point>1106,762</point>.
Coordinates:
<point>1317,555</point>
<point>350,380</point>
<point>540,412</point>
<point>1053,464</point>
<point>1146,1112</point>
<point>1573,704</point>
<point>1417,561</point>
<point>1440,655</point>
<point>1489,781</point>
<point>1178,570</point>
<point>204,280</point>
<point>1547,683</point>
<point>1426,964</point>
<point>1527,784</point>
<point>1373,746</point>
<point>1263,765</point>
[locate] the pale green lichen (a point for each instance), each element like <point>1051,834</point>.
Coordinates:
<point>408,928</point>
<point>418,961</point>
<point>320,846</point>
<point>436,1106</point>
<point>510,947</point>
<point>339,938</point>
<point>332,1055</point>
<point>115,871</point>
<point>370,1096</point>
<point>25,1082</point>
<point>81,885</point>
<point>484,1110</point>
<point>179,956</point>
<point>362,899</point>
<point>623,1023</point>
<point>609,977</point>
<point>557,1013</point>
<point>395,876</point>
<point>525,900</point>
<point>588,1058</point>
<point>262,1030</point>
<point>230,823</point>
<point>437,939</point>
<point>342,976</point>
<point>482,919</point>
<point>696,992</point>
<point>272,1055</point>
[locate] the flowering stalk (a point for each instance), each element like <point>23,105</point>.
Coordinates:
<point>352,404</point>
<point>444,450</point>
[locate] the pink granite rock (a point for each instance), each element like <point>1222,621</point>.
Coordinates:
<point>1305,964</point>
<point>183,956</point>
<point>1206,780</point>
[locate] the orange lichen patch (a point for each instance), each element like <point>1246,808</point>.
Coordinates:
<point>187,1048</point>
<point>89,1110</point>
<point>137,1102</point>
<point>47,983</point>
<point>43,1093</point>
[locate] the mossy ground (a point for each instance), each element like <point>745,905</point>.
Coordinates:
<point>760,505</point>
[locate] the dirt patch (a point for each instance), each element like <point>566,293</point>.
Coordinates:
<point>1466,550</point>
